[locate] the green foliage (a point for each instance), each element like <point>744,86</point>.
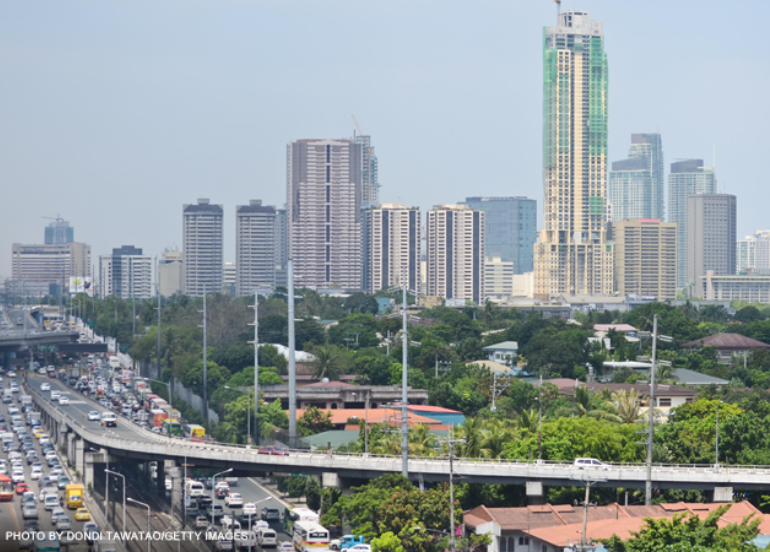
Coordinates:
<point>234,357</point>
<point>555,351</point>
<point>312,493</point>
<point>313,421</point>
<point>362,303</point>
<point>330,361</point>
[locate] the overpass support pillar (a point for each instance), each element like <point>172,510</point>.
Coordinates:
<point>723,494</point>
<point>79,458</point>
<point>61,432</point>
<point>176,475</point>
<point>71,438</point>
<point>88,469</point>
<point>160,480</point>
<point>536,492</point>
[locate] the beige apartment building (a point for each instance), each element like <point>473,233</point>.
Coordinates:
<point>711,236</point>
<point>203,248</point>
<point>391,244</point>
<point>455,253</point>
<point>170,272</point>
<point>498,277</point>
<point>50,263</point>
<point>324,187</point>
<point>645,258</point>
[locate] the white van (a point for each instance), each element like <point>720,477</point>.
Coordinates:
<point>267,537</point>
<point>194,489</point>
<point>246,539</point>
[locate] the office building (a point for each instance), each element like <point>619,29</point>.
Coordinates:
<point>636,183</point>
<point>59,232</point>
<point>324,209</point>
<point>749,288</point>
<point>688,177</point>
<point>255,243</point>
<point>281,246</point>
<point>645,258</point>
<point>370,184</point>
<point>50,263</point>
<point>391,244</point>
<point>753,254</point>
<point>455,253</point>
<point>711,231</point>
<point>498,276</point>
<point>511,228</point>
<point>573,255</point>
<point>170,273</point>
<point>203,261</point>
<point>127,273</point>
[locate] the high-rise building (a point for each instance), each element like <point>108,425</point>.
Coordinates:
<point>392,243</point>
<point>753,254</point>
<point>636,184</point>
<point>281,246</point>
<point>498,276</point>
<point>455,253</point>
<point>51,263</point>
<point>645,258</point>
<point>127,273</point>
<point>711,220</point>
<point>229,278</point>
<point>324,209</point>
<point>370,183</point>
<point>203,244</point>
<point>688,177</point>
<point>254,247</point>
<point>573,255</point>
<point>59,232</point>
<point>511,228</point>
<point>170,273</point>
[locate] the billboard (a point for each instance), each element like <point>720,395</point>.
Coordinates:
<point>82,284</point>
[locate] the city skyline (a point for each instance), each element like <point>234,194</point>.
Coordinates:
<point>164,174</point>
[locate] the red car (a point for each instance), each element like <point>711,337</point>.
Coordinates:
<point>273,451</point>
<point>21,488</point>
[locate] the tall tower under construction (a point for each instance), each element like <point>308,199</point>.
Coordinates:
<point>573,255</point>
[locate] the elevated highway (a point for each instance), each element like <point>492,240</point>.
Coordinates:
<point>130,443</point>
<point>20,340</point>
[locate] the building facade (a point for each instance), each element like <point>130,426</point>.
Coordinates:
<point>711,233</point>
<point>752,254</point>
<point>324,185</point>
<point>498,277</point>
<point>455,253</point>
<point>511,228</point>
<point>573,255</point>
<point>127,273</point>
<point>645,258</point>
<point>59,232</point>
<point>170,273</point>
<point>50,263</point>
<point>370,183</point>
<point>203,248</point>
<point>255,243</point>
<point>636,184</point>
<point>744,287</point>
<point>688,177</point>
<point>392,244</point>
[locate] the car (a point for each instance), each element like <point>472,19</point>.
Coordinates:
<point>94,416</point>
<point>50,454</point>
<point>50,500</point>
<point>17,476</point>
<point>233,499</point>
<point>63,523</point>
<point>55,395</point>
<point>36,473</point>
<point>44,482</point>
<point>21,488</point>
<point>11,374</point>
<point>29,511</point>
<point>55,472</point>
<point>215,511</point>
<point>28,496</point>
<point>92,532</point>
<point>109,419</point>
<point>57,513</point>
<point>44,438</point>
<point>53,461</point>
<point>273,451</point>
<point>63,400</point>
<point>31,525</point>
<point>82,514</point>
<point>285,547</point>
<point>361,548</point>
<point>267,538</point>
<point>222,492</point>
<point>590,464</point>
<point>271,514</point>
<point>261,524</point>
<point>201,522</point>
<point>250,509</point>
<point>63,481</point>
<point>45,386</point>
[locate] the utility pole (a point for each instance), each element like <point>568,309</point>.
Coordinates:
<point>205,365</point>
<point>131,290</point>
<point>157,288</point>
<point>404,384</point>
<point>651,414</point>
<point>256,370</point>
<point>451,443</point>
<point>388,344</point>
<point>540,423</point>
<point>497,390</point>
<point>292,361</point>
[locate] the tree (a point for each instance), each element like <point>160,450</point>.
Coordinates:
<point>355,331</point>
<point>313,421</point>
<point>313,493</point>
<point>625,407</point>
<point>362,303</point>
<point>387,542</point>
<point>330,362</point>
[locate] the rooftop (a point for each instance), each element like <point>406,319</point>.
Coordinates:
<point>732,341</point>
<point>504,346</point>
<point>624,328</point>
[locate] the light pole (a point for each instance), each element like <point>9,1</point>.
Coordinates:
<point>205,364</point>
<point>716,464</point>
<point>540,423</point>
<point>124,493</point>
<point>149,521</point>
<point>256,372</point>
<point>451,442</point>
<point>214,487</point>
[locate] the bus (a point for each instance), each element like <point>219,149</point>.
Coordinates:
<point>293,515</point>
<point>309,536</point>
<point>194,432</point>
<point>6,488</point>
<point>171,427</point>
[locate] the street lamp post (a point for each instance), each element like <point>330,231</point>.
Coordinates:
<point>149,521</point>
<point>451,442</point>
<point>256,372</point>
<point>124,493</point>
<point>214,485</point>
<point>716,464</point>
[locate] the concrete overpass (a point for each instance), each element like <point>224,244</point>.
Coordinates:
<point>129,443</point>
<point>21,340</point>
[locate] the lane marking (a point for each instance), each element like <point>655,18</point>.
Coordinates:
<point>271,493</point>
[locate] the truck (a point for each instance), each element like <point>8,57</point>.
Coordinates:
<point>346,542</point>
<point>33,419</point>
<point>157,417</point>
<point>114,362</point>
<point>73,494</point>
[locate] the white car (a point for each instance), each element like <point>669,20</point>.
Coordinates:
<point>233,499</point>
<point>267,538</point>
<point>17,476</point>
<point>285,547</point>
<point>261,524</point>
<point>45,387</point>
<point>55,395</point>
<point>94,416</point>
<point>43,439</point>
<point>589,464</point>
<point>250,509</point>
<point>55,472</point>
<point>63,401</point>
<point>361,548</point>
<point>56,513</point>
<point>37,473</point>
<point>50,501</point>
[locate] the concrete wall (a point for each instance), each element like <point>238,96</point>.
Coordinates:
<point>196,401</point>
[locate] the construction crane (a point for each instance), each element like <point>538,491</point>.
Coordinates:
<point>57,218</point>
<point>360,132</point>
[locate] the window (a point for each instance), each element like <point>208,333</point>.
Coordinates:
<point>328,154</point>
<point>328,213</point>
<point>328,193</point>
<point>328,173</point>
<point>521,541</point>
<point>664,401</point>
<point>503,544</point>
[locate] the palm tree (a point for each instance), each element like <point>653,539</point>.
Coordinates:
<point>584,405</point>
<point>421,441</point>
<point>329,362</point>
<point>496,436</point>
<point>471,432</point>
<point>528,420</point>
<point>625,407</point>
<point>665,374</point>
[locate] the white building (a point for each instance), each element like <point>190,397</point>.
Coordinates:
<point>255,266</point>
<point>391,244</point>
<point>170,273</point>
<point>126,273</point>
<point>50,263</point>
<point>203,242</point>
<point>498,278</point>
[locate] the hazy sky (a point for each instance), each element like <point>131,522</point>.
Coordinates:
<point>114,114</point>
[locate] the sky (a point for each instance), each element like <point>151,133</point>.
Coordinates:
<point>116,114</point>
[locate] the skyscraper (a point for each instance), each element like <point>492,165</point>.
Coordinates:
<point>687,177</point>
<point>202,248</point>
<point>711,220</point>
<point>254,247</point>
<point>370,183</point>
<point>391,243</point>
<point>752,254</point>
<point>170,272</point>
<point>636,183</point>
<point>324,208</point>
<point>573,255</point>
<point>59,232</point>
<point>127,273</point>
<point>455,253</point>
<point>511,228</point>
